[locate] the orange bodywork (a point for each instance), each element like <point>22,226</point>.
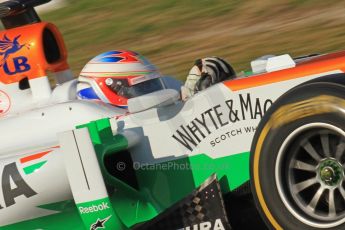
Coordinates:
<point>22,53</point>
<point>324,63</point>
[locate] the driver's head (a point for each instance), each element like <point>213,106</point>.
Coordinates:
<point>116,76</point>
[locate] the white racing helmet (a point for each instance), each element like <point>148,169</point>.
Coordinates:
<point>115,76</point>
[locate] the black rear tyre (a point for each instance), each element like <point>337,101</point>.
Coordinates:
<point>298,159</point>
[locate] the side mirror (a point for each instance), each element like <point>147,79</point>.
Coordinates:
<point>152,100</point>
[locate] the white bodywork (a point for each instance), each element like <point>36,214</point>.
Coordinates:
<point>222,136</point>
<point>56,187</point>
<point>39,127</point>
<point>14,100</point>
<point>217,122</point>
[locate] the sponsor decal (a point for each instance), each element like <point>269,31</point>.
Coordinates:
<point>5,103</point>
<point>98,214</point>
<point>208,225</point>
<point>94,208</point>
<point>232,133</point>
<point>243,108</point>
<point>13,185</point>
<point>8,47</point>
<point>99,223</point>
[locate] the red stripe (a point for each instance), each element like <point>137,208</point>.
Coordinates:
<point>34,157</point>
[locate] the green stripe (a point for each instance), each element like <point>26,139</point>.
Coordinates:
<point>30,169</point>
<point>248,73</point>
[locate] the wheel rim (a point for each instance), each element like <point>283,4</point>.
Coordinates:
<point>309,174</point>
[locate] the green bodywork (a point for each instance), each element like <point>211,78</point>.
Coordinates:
<point>159,185</point>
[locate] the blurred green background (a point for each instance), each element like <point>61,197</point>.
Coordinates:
<point>173,33</point>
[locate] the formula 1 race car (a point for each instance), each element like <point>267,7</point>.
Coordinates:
<point>277,133</point>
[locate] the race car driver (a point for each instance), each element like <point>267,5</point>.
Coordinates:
<point>115,76</point>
